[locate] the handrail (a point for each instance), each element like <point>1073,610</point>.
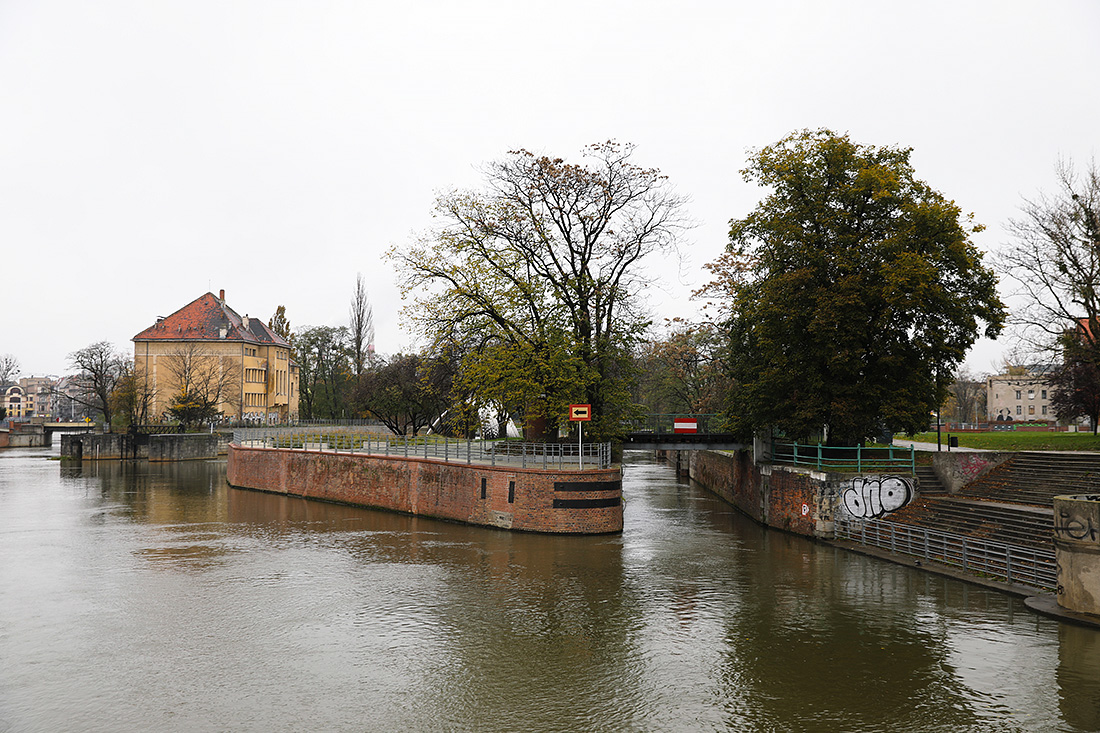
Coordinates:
<point>346,439</point>
<point>1012,563</point>
<point>846,459</point>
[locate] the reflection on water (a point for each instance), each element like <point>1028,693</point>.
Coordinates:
<point>137,596</point>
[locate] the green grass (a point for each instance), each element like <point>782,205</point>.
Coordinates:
<point>1011,440</point>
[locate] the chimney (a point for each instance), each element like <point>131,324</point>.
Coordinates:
<point>221,295</point>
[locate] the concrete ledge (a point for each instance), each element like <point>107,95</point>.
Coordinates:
<point>1047,605</point>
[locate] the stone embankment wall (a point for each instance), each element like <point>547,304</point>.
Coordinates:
<point>532,500</point>
<point>183,447</point>
<point>98,447</point>
<point>22,435</point>
<point>805,501</point>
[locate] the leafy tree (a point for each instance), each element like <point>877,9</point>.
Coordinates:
<point>406,393</point>
<point>99,369</point>
<point>280,325</point>
<point>324,371</point>
<point>361,330</point>
<point>853,291</point>
<point>1075,384</point>
<point>9,368</point>
<point>133,396</point>
<point>538,276</point>
<point>202,381</point>
<point>1055,263</point>
<point>684,372</point>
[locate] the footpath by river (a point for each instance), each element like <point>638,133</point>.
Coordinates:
<point>137,597</point>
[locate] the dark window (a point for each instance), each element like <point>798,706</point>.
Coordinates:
<point>511,491</point>
<point>483,488</point>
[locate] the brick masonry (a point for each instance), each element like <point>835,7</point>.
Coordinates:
<point>541,500</point>
<point>788,498</point>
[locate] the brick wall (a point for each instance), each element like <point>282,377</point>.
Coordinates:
<point>572,502</point>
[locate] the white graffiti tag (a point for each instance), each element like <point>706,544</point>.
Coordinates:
<point>872,496</point>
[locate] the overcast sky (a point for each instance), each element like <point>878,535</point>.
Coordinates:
<point>153,151</point>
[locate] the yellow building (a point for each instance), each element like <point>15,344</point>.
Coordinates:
<point>208,349</point>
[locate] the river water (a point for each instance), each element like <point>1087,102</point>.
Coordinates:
<point>139,597</point>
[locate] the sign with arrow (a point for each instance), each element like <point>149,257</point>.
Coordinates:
<point>580,413</point>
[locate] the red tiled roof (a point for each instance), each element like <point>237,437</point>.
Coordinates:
<point>204,319</point>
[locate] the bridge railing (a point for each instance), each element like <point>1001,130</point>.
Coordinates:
<point>856,459</point>
<point>347,439</point>
<point>666,423</point>
<point>1012,563</point>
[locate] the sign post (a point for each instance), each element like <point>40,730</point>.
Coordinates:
<point>580,414</point>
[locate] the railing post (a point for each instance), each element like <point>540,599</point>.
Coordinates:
<point>859,459</point>
<point>819,456</point>
<point>1008,564</point>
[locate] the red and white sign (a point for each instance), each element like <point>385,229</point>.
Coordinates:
<point>580,413</point>
<point>685,425</point>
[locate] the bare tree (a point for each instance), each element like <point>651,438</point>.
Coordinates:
<point>968,393</point>
<point>1055,263</point>
<point>202,381</point>
<point>100,367</point>
<point>362,326</point>
<point>134,395</point>
<point>9,368</point>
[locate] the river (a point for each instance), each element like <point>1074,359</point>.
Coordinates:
<point>146,597</point>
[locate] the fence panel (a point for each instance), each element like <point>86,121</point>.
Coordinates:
<point>561,456</point>
<point>1012,563</point>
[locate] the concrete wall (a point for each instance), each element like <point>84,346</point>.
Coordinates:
<point>183,447</point>
<point>98,447</point>
<point>571,502</point>
<point>23,435</point>
<point>794,498</point>
<point>1077,550</point>
<point>956,469</point>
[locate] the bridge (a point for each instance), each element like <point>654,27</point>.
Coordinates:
<point>69,427</point>
<point>679,432</point>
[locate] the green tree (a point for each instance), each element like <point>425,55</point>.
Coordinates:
<point>538,276</point>
<point>1075,383</point>
<point>405,393</point>
<point>324,371</point>
<point>280,325</point>
<point>853,291</point>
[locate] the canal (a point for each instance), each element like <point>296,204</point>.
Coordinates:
<point>139,597</point>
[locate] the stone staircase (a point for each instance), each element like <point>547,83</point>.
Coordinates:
<point>1011,504</point>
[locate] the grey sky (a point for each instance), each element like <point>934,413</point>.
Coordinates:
<point>152,151</point>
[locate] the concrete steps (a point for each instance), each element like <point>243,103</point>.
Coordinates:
<point>1036,478</point>
<point>1012,524</point>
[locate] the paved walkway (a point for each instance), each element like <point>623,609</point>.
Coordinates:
<point>932,446</point>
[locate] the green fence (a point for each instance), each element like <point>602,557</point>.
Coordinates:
<point>842,459</point>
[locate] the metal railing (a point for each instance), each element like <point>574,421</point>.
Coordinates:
<point>857,459</point>
<point>353,439</point>
<point>1012,563</point>
<point>663,424</point>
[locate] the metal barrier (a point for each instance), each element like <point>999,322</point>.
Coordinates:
<point>856,459</point>
<point>349,439</point>
<point>1015,564</point>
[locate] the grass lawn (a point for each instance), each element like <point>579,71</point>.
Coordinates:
<point>1011,440</point>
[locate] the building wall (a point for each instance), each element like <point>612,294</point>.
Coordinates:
<point>1021,397</point>
<point>264,386</point>
<point>541,500</point>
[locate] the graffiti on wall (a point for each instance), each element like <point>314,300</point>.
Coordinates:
<point>867,497</point>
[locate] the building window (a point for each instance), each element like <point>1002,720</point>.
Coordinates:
<point>1031,409</point>
<point>1019,409</point>
<point>1044,409</point>
<point>1031,394</point>
<point>1018,395</point>
<point>1044,394</point>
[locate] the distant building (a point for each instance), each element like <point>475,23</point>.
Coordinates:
<point>1022,394</point>
<point>30,397</point>
<point>208,340</point>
